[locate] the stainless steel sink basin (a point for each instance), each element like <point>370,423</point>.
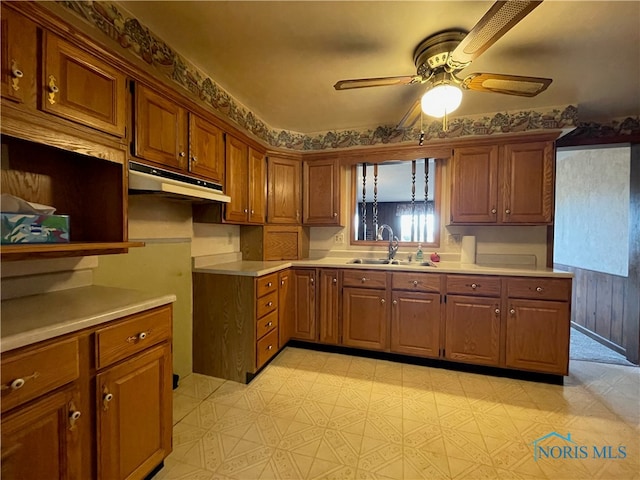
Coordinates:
<point>384,261</point>
<point>370,261</point>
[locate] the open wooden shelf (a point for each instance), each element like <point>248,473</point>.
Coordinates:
<point>56,250</point>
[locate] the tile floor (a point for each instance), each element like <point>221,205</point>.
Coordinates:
<point>315,415</point>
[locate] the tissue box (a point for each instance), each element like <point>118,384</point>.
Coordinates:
<point>29,228</point>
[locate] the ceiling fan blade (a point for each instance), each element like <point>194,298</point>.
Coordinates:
<point>500,18</point>
<point>507,84</point>
<point>411,117</point>
<point>377,82</point>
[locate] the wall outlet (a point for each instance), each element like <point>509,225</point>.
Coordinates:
<point>453,239</point>
<point>339,238</point>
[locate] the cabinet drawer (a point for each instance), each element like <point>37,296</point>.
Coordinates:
<point>133,335</point>
<point>266,304</point>
<point>473,285</point>
<point>266,324</point>
<point>37,372</point>
<point>266,284</point>
<point>417,282</point>
<point>364,279</point>
<point>266,347</point>
<point>540,288</point>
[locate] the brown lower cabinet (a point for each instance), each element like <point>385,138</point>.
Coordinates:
<point>473,329</point>
<point>415,323</point>
<point>364,318</point>
<point>304,303</point>
<point>91,404</point>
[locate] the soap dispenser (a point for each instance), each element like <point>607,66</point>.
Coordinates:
<point>419,254</point>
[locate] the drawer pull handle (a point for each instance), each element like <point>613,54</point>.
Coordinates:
<point>269,324</point>
<point>74,416</point>
<point>270,347</point>
<point>53,89</point>
<point>18,383</point>
<point>269,304</point>
<point>269,284</point>
<point>138,337</point>
<point>539,289</point>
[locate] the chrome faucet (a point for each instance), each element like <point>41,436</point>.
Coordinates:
<point>393,240</point>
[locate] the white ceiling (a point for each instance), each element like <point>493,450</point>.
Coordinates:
<point>281,59</point>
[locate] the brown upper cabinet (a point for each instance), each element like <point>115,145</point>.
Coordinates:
<point>169,135</point>
<point>79,87</point>
<point>321,201</point>
<point>283,192</point>
<point>503,184</point>
<point>18,57</point>
<point>245,184</point>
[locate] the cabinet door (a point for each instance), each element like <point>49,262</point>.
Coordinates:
<point>538,336</point>
<point>81,88</point>
<point>472,332</point>
<point>283,192</point>
<point>206,149</point>
<point>42,440</point>
<point>257,187</point>
<point>415,323</point>
<point>474,189</point>
<point>365,318</point>
<point>528,183</point>
<point>237,186</point>
<point>19,61</point>
<point>285,308</point>
<point>160,129</point>
<point>134,410</point>
<point>328,307</point>
<point>304,304</point>
<point>321,185</point>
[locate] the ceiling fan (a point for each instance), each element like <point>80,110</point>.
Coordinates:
<point>439,57</point>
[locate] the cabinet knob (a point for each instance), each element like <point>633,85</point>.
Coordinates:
<point>312,280</point>
<point>269,284</point>
<point>270,347</point>
<point>474,285</point>
<point>252,212</point>
<point>139,337</point>
<point>335,214</point>
<point>493,210</point>
<point>269,304</point>
<point>53,89</point>
<point>281,282</point>
<point>182,154</point>
<point>395,302</point>
<point>512,311</point>
<point>364,279</point>
<point>269,324</point>
<point>246,210</point>
<point>18,383</point>
<point>17,74</point>
<point>507,211</point>
<point>142,335</point>
<point>383,301</point>
<point>74,416</point>
<point>539,289</point>
<point>497,311</point>
<point>194,159</point>
<point>106,398</point>
<point>334,280</point>
<point>415,283</point>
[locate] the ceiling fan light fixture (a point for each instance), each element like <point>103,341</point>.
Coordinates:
<point>441,100</point>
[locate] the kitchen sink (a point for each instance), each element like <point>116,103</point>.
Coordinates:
<point>384,261</point>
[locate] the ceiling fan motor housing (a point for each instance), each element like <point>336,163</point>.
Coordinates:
<point>432,54</point>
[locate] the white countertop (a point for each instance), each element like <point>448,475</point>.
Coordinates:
<point>31,319</point>
<point>257,268</point>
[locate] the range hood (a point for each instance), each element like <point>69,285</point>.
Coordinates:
<point>146,179</point>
